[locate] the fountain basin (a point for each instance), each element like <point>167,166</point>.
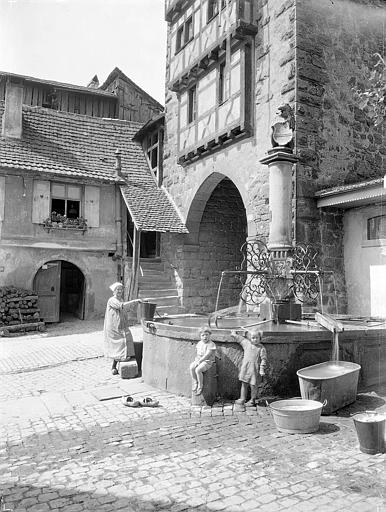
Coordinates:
<point>335,382</point>
<point>169,346</point>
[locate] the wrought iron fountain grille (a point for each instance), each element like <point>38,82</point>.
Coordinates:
<point>263,275</point>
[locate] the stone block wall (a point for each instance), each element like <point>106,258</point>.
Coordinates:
<point>191,186</point>
<point>336,144</point>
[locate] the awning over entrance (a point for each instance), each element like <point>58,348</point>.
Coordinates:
<point>350,196</point>
<point>151,208</point>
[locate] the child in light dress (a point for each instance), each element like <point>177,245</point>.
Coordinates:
<point>253,366</point>
<point>206,356</point>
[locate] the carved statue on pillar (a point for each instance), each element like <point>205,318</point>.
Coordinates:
<point>283,127</point>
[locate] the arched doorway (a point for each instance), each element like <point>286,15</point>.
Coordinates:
<point>218,228</point>
<point>60,286</point>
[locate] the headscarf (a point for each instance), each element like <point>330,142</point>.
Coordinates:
<point>114,286</point>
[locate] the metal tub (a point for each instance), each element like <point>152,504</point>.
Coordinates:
<point>335,382</point>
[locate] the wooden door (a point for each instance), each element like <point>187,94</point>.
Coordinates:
<point>47,287</point>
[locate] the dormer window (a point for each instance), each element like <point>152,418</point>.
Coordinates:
<point>184,34</point>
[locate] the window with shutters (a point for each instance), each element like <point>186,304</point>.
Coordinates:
<point>65,205</point>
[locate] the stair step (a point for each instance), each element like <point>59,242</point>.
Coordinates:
<point>151,284</point>
<point>165,301</point>
<point>151,272</point>
<point>157,292</point>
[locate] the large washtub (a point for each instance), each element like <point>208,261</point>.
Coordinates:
<point>333,382</point>
<point>169,346</point>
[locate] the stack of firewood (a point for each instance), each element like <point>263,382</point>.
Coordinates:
<point>18,306</point>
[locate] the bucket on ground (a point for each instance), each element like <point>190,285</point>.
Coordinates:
<point>370,427</point>
<point>147,310</point>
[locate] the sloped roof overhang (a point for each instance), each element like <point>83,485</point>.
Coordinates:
<point>351,196</point>
<point>151,209</point>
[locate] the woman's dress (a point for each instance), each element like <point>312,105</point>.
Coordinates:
<point>118,339</point>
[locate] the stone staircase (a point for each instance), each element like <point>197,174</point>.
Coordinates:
<point>156,286</point>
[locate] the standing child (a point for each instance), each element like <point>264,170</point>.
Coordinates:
<point>206,356</point>
<point>253,365</point>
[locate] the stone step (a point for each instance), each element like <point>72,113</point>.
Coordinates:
<point>157,292</point>
<point>173,300</point>
<point>151,272</point>
<point>154,282</point>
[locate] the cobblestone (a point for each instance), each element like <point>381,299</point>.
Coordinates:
<point>62,449</point>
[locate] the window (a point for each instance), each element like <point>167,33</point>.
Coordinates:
<point>184,34</point>
<point>212,9</point>
<point>66,199</point>
<point>376,227</point>
<point>223,83</point>
<point>192,104</point>
<point>152,151</point>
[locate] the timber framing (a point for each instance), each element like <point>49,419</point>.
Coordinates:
<point>240,31</point>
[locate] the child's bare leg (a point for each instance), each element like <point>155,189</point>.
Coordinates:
<point>200,377</point>
<point>243,391</point>
<point>252,401</point>
<point>193,375</point>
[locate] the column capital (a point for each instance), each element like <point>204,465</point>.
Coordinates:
<point>279,154</point>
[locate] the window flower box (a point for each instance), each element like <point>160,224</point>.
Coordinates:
<point>57,221</point>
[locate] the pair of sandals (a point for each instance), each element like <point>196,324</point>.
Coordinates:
<point>129,401</point>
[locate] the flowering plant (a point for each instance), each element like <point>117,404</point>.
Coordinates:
<point>62,221</point>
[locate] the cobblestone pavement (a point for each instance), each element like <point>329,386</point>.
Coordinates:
<point>63,449</point>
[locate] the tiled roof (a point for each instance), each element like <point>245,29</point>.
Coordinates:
<point>77,146</point>
<point>58,85</point>
<point>151,208</point>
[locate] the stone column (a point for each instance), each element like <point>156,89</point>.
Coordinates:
<point>280,161</point>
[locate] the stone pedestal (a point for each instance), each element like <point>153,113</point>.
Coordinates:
<point>128,369</point>
<point>280,161</point>
<point>209,390</point>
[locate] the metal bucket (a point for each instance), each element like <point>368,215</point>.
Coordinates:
<point>296,416</point>
<point>147,310</point>
<point>370,427</point>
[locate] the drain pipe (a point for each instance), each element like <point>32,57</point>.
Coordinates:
<point>118,216</point>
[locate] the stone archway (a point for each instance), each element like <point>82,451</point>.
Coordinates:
<point>61,288</point>
<point>217,223</point>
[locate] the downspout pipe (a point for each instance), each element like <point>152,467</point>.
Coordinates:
<point>118,216</point>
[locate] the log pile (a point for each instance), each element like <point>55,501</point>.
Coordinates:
<point>18,306</point>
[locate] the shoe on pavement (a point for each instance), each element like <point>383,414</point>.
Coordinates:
<point>149,402</point>
<point>130,402</point>
<point>114,371</point>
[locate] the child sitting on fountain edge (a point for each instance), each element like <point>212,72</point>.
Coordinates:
<point>206,356</point>
<point>253,366</point>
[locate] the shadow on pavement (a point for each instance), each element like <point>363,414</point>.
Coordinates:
<point>28,498</point>
<point>364,402</point>
<point>327,428</point>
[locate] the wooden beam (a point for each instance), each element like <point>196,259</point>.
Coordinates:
<point>329,322</point>
<point>133,291</point>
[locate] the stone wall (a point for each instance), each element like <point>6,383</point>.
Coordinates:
<point>198,268</point>
<point>337,145</point>
<point>191,186</point>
